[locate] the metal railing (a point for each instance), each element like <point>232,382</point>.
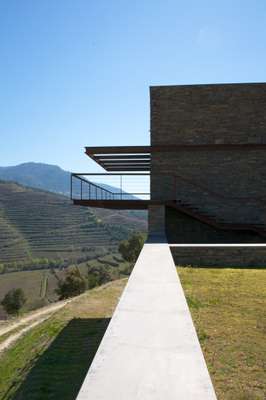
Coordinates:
<point>110,186</point>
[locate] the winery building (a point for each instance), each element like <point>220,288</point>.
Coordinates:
<point>204,173</point>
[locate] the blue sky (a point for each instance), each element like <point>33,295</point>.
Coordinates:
<point>76,73</point>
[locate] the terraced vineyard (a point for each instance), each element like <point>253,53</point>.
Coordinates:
<point>35,224</point>
<point>39,285</point>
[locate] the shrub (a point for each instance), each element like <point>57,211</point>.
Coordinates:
<point>73,285</point>
<point>92,281</point>
<point>14,301</point>
<point>126,269</point>
<point>98,276</point>
<point>130,249</point>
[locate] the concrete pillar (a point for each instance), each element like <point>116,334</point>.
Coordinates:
<point>156,219</point>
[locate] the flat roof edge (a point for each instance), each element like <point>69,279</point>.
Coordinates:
<point>208,84</point>
<point>217,245</point>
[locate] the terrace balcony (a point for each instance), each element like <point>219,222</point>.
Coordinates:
<point>124,185</point>
<point>111,190</point>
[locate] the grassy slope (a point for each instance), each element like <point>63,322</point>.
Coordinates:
<point>62,347</point>
<point>228,309</point>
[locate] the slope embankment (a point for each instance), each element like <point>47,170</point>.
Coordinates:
<point>62,344</point>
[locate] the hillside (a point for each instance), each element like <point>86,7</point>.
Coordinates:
<point>39,285</point>
<point>38,175</point>
<point>36,224</point>
<point>46,177</point>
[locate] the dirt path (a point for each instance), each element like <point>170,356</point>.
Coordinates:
<point>32,317</point>
<point>13,338</point>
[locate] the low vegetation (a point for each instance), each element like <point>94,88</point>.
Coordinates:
<point>228,310</point>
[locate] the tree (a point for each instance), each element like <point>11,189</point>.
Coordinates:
<point>97,275</point>
<point>73,285</point>
<point>13,301</point>
<point>130,249</point>
<point>92,281</point>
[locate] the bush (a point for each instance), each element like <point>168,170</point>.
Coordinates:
<point>126,269</point>
<point>92,281</point>
<point>73,285</point>
<point>130,249</point>
<point>13,301</point>
<point>98,276</point>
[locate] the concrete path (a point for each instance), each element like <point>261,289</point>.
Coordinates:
<point>150,350</point>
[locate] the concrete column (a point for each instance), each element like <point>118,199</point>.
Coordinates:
<point>156,219</point>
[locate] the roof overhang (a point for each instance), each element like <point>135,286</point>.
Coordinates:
<point>138,158</point>
<point>122,158</point>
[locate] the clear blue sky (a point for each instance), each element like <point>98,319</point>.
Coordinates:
<point>77,72</point>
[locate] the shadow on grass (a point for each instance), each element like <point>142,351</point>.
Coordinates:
<point>60,370</point>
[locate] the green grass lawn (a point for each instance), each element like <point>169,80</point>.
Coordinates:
<point>228,307</point>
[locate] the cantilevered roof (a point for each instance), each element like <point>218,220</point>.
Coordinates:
<point>138,158</point>
<point>122,158</point>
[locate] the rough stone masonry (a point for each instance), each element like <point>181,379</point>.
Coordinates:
<point>216,163</point>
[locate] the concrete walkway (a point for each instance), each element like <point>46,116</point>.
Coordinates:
<point>150,350</point>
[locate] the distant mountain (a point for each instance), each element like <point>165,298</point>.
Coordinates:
<point>46,177</point>
<point>38,175</point>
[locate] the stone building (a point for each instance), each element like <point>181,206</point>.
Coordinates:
<point>212,161</point>
<point>207,165</point>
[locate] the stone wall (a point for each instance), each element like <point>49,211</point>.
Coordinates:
<point>181,228</point>
<point>220,256</point>
<point>221,169</point>
<point>203,114</point>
